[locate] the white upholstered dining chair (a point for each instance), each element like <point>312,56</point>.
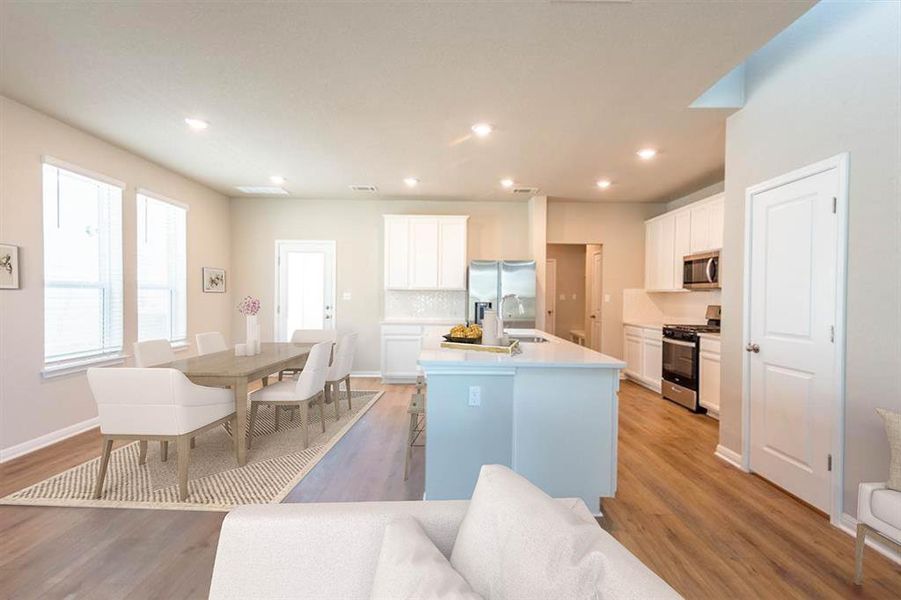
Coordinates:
<point>308,336</point>
<point>210,342</point>
<point>155,404</point>
<point>153,352</point>
<point>339,370</point>
<point>291,393</point>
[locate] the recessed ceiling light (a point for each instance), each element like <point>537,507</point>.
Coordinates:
<point>507,183</point>
<point>482,129</point>
<point>196,124</point>
<point>411,182</point>
<point>646,153</point>
<point>268,190</point>
<point>277,180</point>
<point>604,183</point>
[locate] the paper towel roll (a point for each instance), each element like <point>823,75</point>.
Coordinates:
<point>489,327</point>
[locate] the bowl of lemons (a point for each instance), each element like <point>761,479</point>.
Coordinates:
<point>465,334</point>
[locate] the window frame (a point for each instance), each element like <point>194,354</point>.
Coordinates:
<point>75,361</point>
<point>177,343</point>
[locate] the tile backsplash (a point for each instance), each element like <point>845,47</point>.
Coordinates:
<point>425,305</point>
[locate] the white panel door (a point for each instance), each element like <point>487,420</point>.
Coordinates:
<point>452,254</point>
<point>596,299</point>
<point>792,315</point>
<point>550,296</point>
<point>681,245</point>
<point>397,251</point>
<point>306,287</point>
<point>423,253</point>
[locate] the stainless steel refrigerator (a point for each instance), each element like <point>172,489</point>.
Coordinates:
<point>491,281</point>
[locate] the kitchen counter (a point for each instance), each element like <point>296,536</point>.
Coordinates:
<point>422,321</point>
<point>644,325</point>
<point>550,414</point>
<point>555,353</point>
<point>709,336</point>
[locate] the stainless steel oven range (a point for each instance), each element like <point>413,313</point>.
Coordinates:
<point>681,347</point>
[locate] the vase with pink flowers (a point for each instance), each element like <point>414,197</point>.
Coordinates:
<point>249,307</point>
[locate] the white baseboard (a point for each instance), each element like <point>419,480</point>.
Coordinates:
<point>848,524</point>
<point>729,456</point>
<point>366,374</point>
<point>46,440</point>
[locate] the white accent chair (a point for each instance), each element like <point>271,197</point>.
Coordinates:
<point>339,370</point>
<point>879,514</point>
<point>155,404</point>
<point>210,342</point>
<point>309,336</point>
<point>307,388</point>
<point>153,352</point>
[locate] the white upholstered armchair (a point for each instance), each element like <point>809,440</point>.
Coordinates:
<point>155,404</point>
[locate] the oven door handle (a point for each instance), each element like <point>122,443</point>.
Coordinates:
<point>708,269</point>
<point>678,343</point>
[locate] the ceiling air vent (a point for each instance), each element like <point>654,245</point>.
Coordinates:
<point>271,190</point>
<point>524,190</point>
<point>370,189</point>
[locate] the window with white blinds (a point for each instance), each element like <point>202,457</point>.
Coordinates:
<point>162,270</point>
<point>82,266</point>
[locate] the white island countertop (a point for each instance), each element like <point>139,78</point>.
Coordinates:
<point>555,353</point>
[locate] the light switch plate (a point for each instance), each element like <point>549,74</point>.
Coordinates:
<point>345,296</point>
<point>563,296</point>
<point>606,297</point>
<point>475,395</point>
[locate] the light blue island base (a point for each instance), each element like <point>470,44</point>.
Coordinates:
<point>550,414</point>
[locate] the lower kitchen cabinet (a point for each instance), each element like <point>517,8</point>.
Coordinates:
<point>643,354</point>
<point>401,345</point>
<point>709,372</point>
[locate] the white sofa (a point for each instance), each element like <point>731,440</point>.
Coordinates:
<point>879,512</point>
<point>330,550</point>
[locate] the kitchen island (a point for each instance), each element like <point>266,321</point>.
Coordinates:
<point>549,413</point>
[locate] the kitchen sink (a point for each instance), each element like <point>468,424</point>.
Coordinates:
<point>528,339</point>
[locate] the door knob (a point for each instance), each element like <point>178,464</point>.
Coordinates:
<point>550,312</point>
<point>752,348</point>
<point>592,317</point>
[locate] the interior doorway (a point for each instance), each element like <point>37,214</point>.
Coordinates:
<point>574,293</point>
<point>305,286</point>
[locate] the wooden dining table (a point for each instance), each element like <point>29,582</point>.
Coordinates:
<point>224,369</point>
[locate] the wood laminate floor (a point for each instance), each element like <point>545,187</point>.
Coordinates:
<point>705,527</point>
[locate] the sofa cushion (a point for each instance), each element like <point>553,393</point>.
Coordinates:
<point>892,421</point>
<point>886,506</point>
<point>517,542</point>
<point>410,566</point>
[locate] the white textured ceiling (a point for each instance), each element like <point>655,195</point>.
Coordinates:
<point>332,94</point>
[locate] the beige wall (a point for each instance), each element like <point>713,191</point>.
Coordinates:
<point>31,407</point>
<point>829,84</point>
<point>619,228</point>
<point>570,312</point>
<point>495,230</point>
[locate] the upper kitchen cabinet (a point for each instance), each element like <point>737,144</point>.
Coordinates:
<point>425,252</point>
<point>670,237</point>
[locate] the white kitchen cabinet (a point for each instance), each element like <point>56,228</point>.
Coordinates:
<point>401,345</point>
<point>671,236</point>
<point>709,373</point>
<point>423,255</point>
<point>643,354</point>
<point>632,351</point>
<point>425,252</point>
<point>397,244</point>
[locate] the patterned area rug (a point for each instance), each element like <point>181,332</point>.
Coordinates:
<point>276,463</point>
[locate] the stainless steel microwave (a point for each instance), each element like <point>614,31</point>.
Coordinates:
<point>701,271</point>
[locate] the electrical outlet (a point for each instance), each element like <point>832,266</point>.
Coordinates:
<point>475,395</point>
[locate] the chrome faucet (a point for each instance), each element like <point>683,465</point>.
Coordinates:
<point>503,305</point>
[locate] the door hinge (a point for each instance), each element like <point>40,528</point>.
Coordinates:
<point>832,333</point>
<point>834,205</point>
<point>829,463</point>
